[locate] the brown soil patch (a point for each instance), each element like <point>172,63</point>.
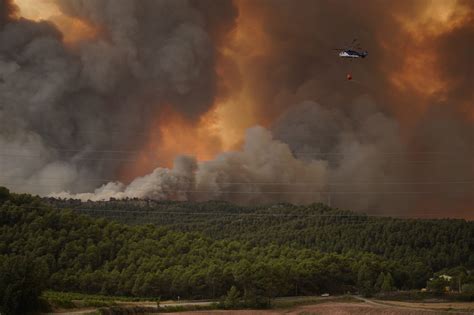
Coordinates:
<point>346,308</point>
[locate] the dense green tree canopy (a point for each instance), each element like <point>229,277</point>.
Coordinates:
<point>214,249</point>
<point>22,278</point>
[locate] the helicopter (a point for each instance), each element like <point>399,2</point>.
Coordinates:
<point>349,53</point>
<point>352,51</point>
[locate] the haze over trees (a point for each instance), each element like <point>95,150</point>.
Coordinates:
<point>214,249</point>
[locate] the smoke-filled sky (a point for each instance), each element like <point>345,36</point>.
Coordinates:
<point>241,100</point>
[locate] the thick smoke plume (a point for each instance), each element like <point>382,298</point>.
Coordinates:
<point>268,170</point>
<point>65,112</point>
<point>397,139</point>
<point>239,176</point>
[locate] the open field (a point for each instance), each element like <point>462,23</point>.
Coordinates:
<point>444,306</point>
<point>303,306</point>
<point>342,308</point>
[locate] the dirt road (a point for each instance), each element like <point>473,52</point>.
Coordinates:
<point>366,306</point>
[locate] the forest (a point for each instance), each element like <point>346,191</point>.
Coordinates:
<point>212,249</point>
<point>437,244</point>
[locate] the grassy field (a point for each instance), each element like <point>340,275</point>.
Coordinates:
<point>291,302</point>
<point>442,306</point>
<point>66,302</point>
<point>81,304</point>
<point>70,300</point>
<point>355,308</point>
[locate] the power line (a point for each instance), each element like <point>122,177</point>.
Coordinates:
<point>88,150</point>
<point>305,192</point>
<point>456,152</point>
<point>260,214</point>
<point>151,211</point>
<point>252,192</point>
<point>275,183</point>
<point>296,153</point>
<point>135,159</point>
<point>28,156</point>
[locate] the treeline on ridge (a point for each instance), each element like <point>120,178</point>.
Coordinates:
<point>437,244</point>
<point>263,256</point>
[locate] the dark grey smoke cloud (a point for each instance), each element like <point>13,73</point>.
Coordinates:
<point>61,108</point>
<point>7,9</point>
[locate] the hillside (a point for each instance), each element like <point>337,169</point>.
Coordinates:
<point>436,243</point>
<point>264,252</point>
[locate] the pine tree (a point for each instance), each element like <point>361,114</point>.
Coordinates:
<point>387,284</point>
<point>379,282</point>
<point>233,297</point>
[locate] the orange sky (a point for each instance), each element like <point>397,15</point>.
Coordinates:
<point>416,73</point>
<point>419,72</point>
<point>73,29</point>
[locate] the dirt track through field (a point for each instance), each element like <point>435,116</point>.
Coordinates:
<point>366,306</point>
<point>331,309</point>
<point>369,307</point>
